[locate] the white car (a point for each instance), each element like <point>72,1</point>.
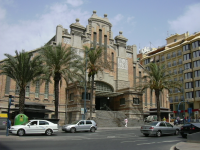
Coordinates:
<point>35,127</point>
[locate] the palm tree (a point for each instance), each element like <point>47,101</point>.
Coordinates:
<point>157,79</point>
<point>95,64</point>
<point>23,69</point>
<point>61,62</point>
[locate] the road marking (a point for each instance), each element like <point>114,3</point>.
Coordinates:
<point>110,136</point>
<point>146,143</point>
<point>171,141</point>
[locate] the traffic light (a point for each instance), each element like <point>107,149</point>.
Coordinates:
<point>9,104</point>
<point>10,101</point>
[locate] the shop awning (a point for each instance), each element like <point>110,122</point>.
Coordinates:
<point>107,93</point>
<point>33,110</point>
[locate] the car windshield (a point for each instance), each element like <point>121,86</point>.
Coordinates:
<point>75,122</point>
<point>153,123</point>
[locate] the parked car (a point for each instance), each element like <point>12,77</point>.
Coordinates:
<point>35,127</point>
<point>82,125</point>
<point>158,128</point>
<point>189,128</point>
<point>150,118</point>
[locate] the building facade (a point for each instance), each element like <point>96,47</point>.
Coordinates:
<point>181,55</point>
<point>114,89</point>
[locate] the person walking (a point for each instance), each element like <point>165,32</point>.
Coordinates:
<point>126,121</point>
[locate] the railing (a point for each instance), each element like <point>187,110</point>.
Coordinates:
<point>107,108</point>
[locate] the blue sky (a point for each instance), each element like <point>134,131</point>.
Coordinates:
<point>29,24</point>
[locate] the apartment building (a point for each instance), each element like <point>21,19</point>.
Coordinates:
<point>181,55</point>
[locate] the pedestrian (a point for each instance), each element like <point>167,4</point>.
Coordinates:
<point>178,119</point>
<point>164,119</point>
<point>126,121</point>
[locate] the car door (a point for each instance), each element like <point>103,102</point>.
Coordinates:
<point>80,125</point>
<point>32,127</point>
<point>170,129</point>
<point>43,125</point>
<point>162,127</point>
<point>88,125</point>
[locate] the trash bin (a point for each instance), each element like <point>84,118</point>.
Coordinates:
<point>20,119</point>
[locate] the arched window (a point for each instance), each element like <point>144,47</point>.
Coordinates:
<point>101,86</point>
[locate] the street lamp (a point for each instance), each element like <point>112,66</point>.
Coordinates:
<point>86,52</point>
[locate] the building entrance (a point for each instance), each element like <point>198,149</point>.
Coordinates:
<point>102,103</point>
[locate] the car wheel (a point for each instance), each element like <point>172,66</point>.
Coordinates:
<point>49,132</point>
<point>146,135</point>
<point>92,129</point>
<point>176,132</point>
<point>73,130</point>
<point>184,135</point>
<point>158,133</point>
<point>20,132</point>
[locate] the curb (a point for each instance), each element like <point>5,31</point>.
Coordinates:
<point>173,147</point>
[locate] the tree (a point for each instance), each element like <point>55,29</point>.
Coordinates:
<point>23,69</point>
<point>96,64</point>
<point>157,78</point>
<point>61,62</point>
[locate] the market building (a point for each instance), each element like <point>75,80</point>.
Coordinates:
<point>114,89</point>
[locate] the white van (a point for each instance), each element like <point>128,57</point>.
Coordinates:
<point>151,118</point>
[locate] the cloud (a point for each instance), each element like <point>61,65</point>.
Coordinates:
<point>32,34</point>
<point>129,19</point>
<point>189,21</point>
<point>116,19</point>
<point>75,3</point>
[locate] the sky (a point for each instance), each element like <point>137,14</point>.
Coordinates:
<point>29,24</point>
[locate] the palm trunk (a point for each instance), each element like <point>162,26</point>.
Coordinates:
<point>56,92</point>
<point>157,92</point>
<point>91,98</point>
<point>21,100</point>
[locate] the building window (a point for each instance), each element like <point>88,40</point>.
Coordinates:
<point>197,73</point>
<point>162,58</point>
<point>174,63</point>
<point>87,96</point>
<point>146,61</point>
<point>196,54</point>
<point>95,39</point>
<point>170,100</point>
<point>136,101</point>
<point>189,95</point>
<point>100,37</point>
<point>187,66</point>
<point>174,54</point>
<point>169,72</point>
<point>27,91</point>
<point>180,61</point>
<point>197,63</point>
<point>168,56</point>
<point>189,85</point>
<point>175,71</point>
<point>46,90</point>
<point>17,89</point>
<point>179,53</point>
<point>112,61</point>
<point>188,75</point>
<point>186,47</point>
<point>175,40</point>
<point>181,78</point>
<point>181,98</point>
<point>197,93</point>
<point>37,89</point>
<point>195,44</point>
<point>122,101</point>
<point>71,96</point>
<point>186,56</point>
<point>169,64</point>
<point>176,98</point>
<point>197,83</point>
<point>175,79</point>
<point>7,90</point>
<point>180,71</point>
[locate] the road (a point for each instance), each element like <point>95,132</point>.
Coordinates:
<point>102,139</point>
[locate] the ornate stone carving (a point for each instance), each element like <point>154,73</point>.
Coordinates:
<point>129,47</point>
<point>67,41</point>
<point>122,63</point>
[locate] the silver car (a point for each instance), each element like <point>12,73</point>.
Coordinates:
<point>82,125</point>
<point>158,128</point>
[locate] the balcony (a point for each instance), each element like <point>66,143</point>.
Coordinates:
<point>180,71</point>
<point>195,49</point>
<point>187,61</point>
<point>173,55</point>
<point>179,54</point>
<point>168,57</point>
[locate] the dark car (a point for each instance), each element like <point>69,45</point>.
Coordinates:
<point>189,128</point>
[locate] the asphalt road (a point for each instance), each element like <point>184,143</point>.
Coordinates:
<point>103,139</point>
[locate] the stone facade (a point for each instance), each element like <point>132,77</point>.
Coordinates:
<point>115,87</point>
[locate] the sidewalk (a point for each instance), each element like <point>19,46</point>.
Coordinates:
<point>186,146</point>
